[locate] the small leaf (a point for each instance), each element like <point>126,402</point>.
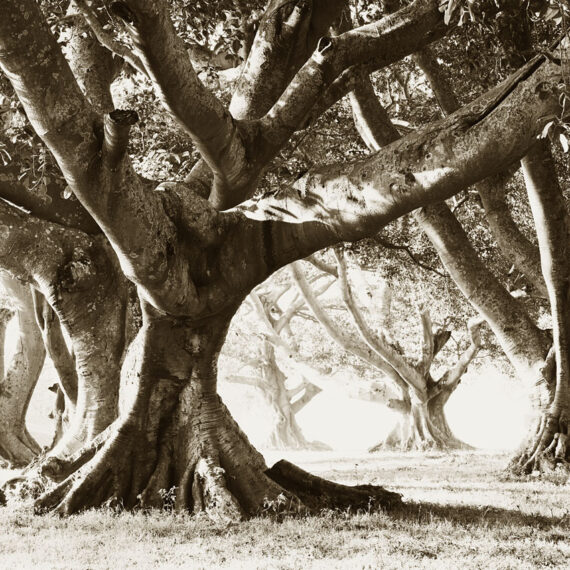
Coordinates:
<point>545,130</point>
<point>563,142</point>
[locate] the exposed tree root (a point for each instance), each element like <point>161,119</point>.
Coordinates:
<point>17,446</point>
<point>317,493</point>
<point>546,450</point>
<point>212,469</point>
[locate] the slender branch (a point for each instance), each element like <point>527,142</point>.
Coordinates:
<point>246,380</point>
<point>389,245</point>
<point>336,332</point>
<point>376,342</point>
<point>272,334</point>
<point>311,390</point>
<point>322,266</point>
<point>452,377</point>
<point>428,344</point>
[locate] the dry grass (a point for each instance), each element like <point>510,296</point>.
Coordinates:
<point>458,514</point>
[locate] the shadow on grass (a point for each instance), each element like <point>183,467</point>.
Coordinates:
<point>468,515</point>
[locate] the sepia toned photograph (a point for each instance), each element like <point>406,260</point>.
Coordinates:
<point>285,284</point>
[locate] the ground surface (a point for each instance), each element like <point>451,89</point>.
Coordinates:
<point>466,517</point>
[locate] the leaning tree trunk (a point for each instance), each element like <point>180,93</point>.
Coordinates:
<point>17,446</point>
<point>98,331</point>
<point>176,441</point>
<point>547,445</point>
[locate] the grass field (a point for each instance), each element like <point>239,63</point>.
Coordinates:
<point>459,513</point>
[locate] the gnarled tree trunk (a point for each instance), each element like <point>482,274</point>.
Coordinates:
<point>547,445</point>
<point>176,440</point>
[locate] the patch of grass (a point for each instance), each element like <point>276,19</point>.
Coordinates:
<point>458,513</point>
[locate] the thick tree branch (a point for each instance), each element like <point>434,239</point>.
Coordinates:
<point>43,81</point>
<point>167,63</point>
<point>512,242</point>
<point>351,201</point>
<point>91,63</point>
<point>56,347</point>
<point>287,35</point>
<point>377,44</point>
<point>552,225</point>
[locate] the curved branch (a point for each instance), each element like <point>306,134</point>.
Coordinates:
<point>377,343</point>
<point>44,83</point>
<point>287,35</point>
<point>202,115</point>
<point>350,201</point>
<point>106,39</point>
<point>377,45</point>
<point>336,333</point>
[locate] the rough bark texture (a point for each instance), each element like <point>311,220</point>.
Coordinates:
<point>176,434</point>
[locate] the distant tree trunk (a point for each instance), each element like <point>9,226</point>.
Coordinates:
<point>286,432</point>
<point>421,426</point>
<point>17,446</point>
<point>547,446</point>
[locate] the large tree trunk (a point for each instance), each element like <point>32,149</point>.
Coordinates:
<point>176,442</point>
<point>547,446</point>
<point>17,446</point>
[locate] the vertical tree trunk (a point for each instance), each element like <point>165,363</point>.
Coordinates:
<point>176,442</point>
<point>17,446</point>
<point>548,445</point>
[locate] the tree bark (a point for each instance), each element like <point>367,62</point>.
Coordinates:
<point>547,446</point>
<point>176,442</point>
<point>17,446</point>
